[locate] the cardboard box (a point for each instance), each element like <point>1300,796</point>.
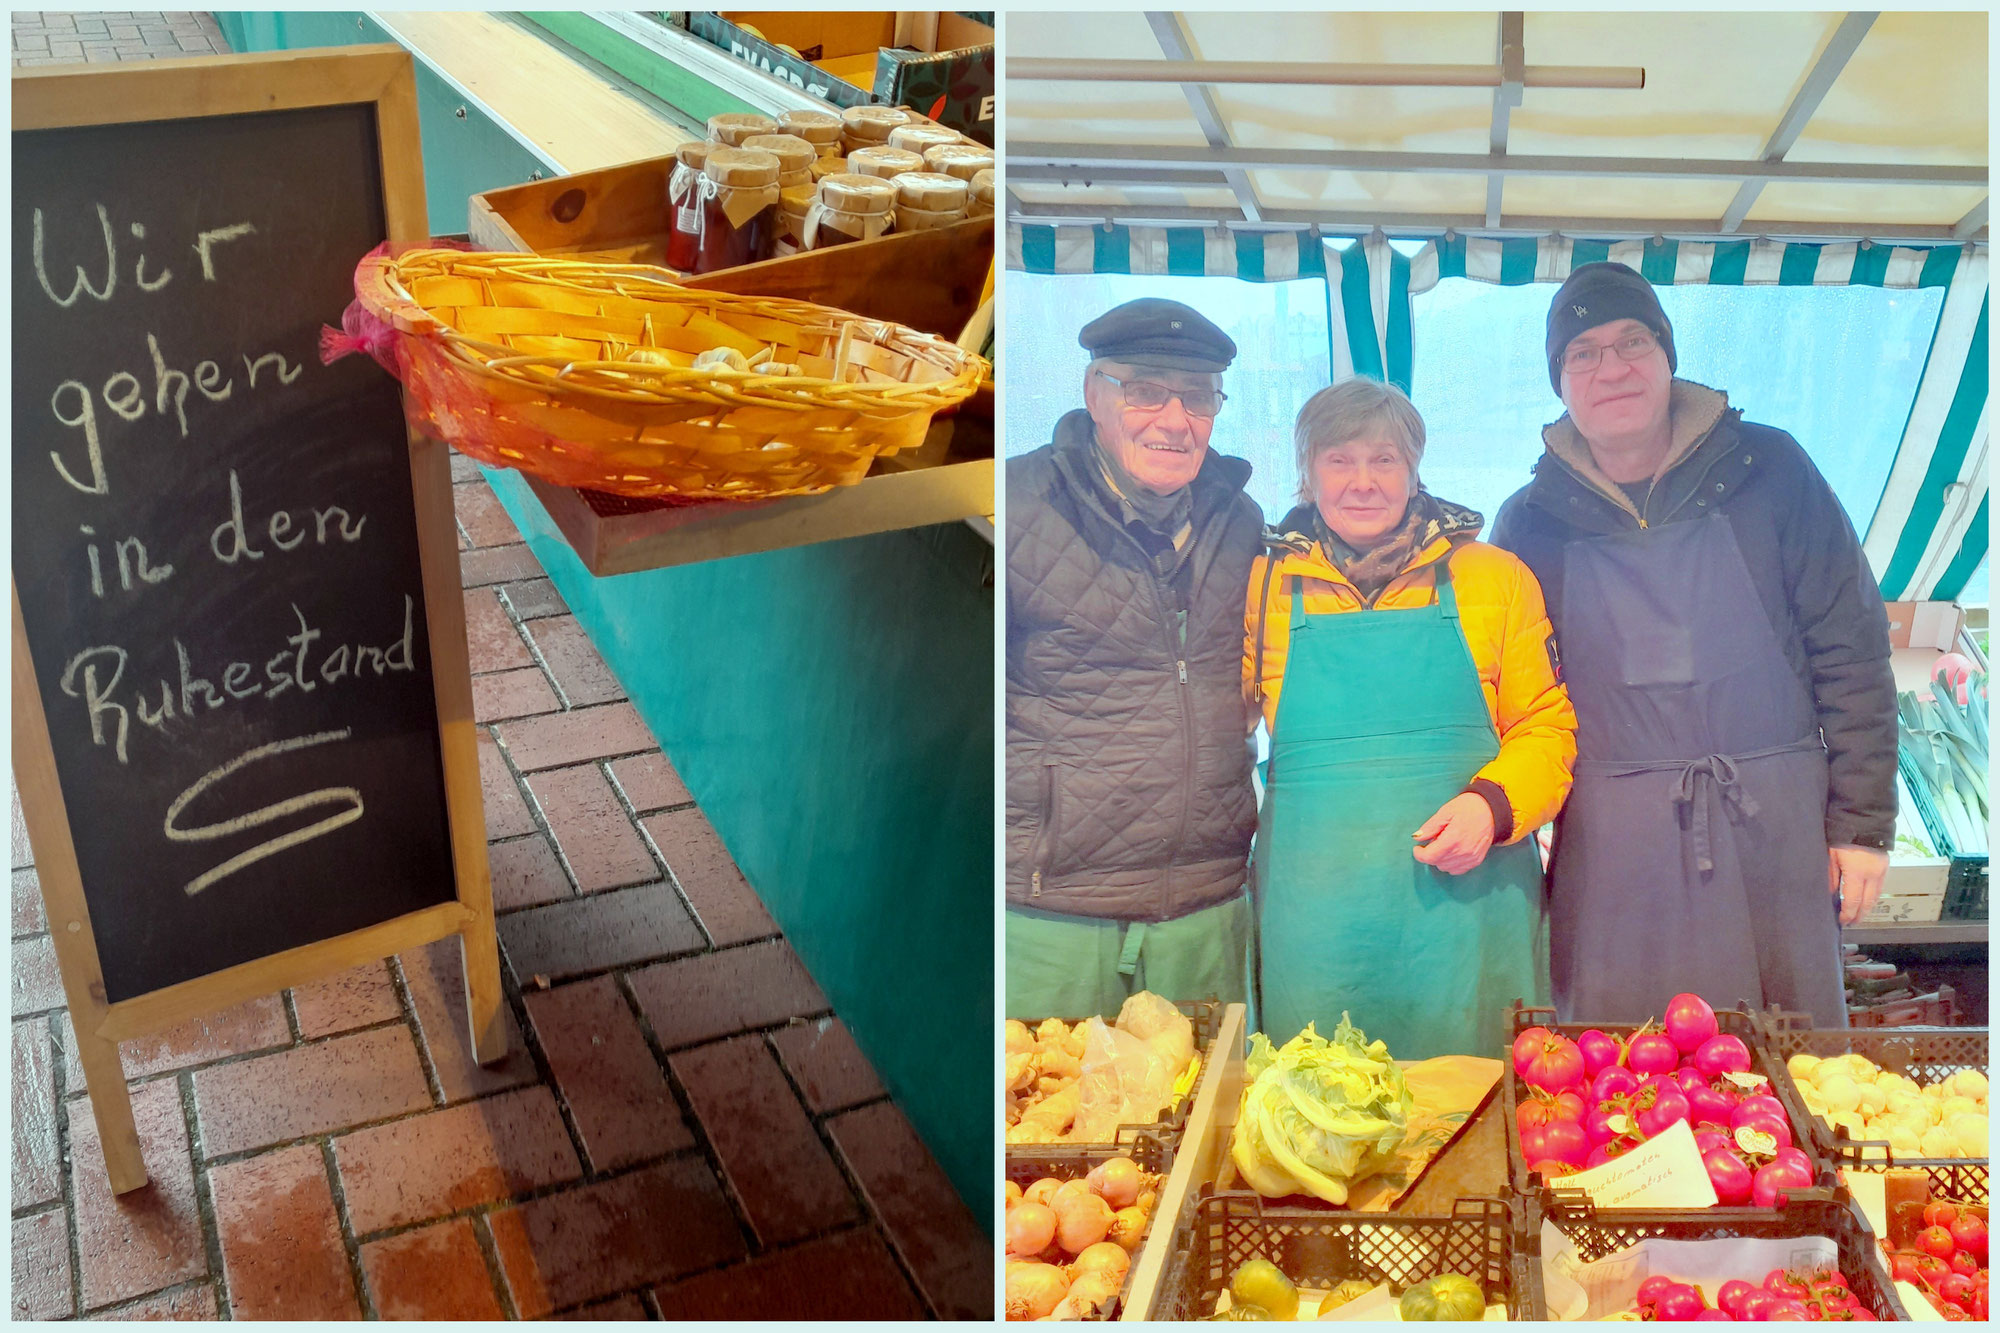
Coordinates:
<point>942,70</point>
<point>1925,625</point>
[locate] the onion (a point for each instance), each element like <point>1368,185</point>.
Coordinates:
<point>1030,1228</point>
<point>1034,1290</point>
<point>1081,1221</point>
<point>1092,1291</point>
<point>1146,1201</point>
<point>1128,1228</point>
<point>1013,1194</point>
<point>1070,1189</point>
<point>1042,1190</point>
<point>1117,1181</point>
<point>1104,1257</point>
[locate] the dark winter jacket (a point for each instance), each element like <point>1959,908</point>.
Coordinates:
<point>1806,562</point>
<point>1128,760</point>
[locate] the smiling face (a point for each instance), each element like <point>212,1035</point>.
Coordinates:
<point>1362,488</point>
<point>1160,447</point>
<point>1617,400</point>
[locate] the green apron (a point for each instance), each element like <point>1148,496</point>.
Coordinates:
<point>1381,722</point>
<point>1074,967</point>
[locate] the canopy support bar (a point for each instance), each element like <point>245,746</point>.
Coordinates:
<point>1964,228</point>
<point>1317,75</point>
<point>1506,97</point>
<point>1174,42</point>
<point>1839,50</point>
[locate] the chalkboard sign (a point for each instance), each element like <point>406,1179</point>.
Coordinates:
<point>219,555</point>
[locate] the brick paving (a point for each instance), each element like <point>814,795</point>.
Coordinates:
<point>681,1129</point>
<point>113,36</point>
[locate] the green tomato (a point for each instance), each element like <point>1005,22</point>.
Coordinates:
<point>1446,1297</point>
<point>1259,1283</point>
<point>1251,1312</point>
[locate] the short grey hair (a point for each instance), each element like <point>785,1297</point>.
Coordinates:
<point>1349,410</point>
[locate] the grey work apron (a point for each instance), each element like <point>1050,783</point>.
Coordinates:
<point>1692,855</point>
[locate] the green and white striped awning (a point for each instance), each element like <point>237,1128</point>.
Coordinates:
<point>1928,533</point>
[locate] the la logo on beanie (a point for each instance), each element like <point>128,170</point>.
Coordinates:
<point>1582,312</point>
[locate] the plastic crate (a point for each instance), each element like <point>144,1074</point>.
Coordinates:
<point>1320,1248</point>
<point>1734,1021</point>
<point>1064,1161</point>
<point>1206,1016</point>
<point>1965,889</point>
<point>1923,1055</point>
<point>1598,1232</point>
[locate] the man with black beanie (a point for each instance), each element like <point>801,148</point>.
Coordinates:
<point>1129,804</point>
<point>1727,651</point>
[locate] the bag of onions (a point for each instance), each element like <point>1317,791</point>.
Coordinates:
<point>1070,1243</point>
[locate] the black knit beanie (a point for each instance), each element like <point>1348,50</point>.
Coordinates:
<point>1600,294</point>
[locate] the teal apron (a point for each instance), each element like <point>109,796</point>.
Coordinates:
<point>1061,966</point>
<point>1381,721</point>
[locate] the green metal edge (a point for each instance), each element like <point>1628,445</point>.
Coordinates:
<point>679,88</point>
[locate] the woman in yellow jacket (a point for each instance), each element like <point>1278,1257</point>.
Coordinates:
<point>1420,734</point>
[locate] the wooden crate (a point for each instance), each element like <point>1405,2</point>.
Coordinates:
<point>930,280</point>
<point>1912,891</point>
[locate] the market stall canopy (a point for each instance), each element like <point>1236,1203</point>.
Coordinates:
<point>1797,126</point>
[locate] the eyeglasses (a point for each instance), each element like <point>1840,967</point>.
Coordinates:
<point>1579,360</point>
<point>1150,396</point>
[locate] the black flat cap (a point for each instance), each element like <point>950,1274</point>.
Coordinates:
<point>1154,332</point>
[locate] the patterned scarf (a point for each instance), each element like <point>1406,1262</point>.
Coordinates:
<point>1374,569</point>
<point>1171,516</point>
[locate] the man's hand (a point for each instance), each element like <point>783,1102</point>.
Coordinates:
<point>1855,873</point>
<point>1456,838</point>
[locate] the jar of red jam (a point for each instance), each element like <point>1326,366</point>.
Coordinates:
<point>739,208</point>
<point>684,205</point>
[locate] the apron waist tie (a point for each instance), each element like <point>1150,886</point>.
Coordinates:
<point>1721,769</point>
<point>1128,956</point>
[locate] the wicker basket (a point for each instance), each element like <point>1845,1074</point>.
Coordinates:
<point>582,373</point>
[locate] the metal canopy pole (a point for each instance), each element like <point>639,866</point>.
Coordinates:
<point>1839,50</point>
<point>1315,74</point>
<point>1173,40</point>
<point>1506,97</point>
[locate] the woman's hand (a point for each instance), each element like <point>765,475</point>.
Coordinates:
<point>1456,838</point>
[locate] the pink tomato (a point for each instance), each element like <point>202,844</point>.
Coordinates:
<point>1707,1106</point>
<point>1653,1288</point>
<point>1600,1050</point>
<point>1765,1124</point>
<point>1799,1161</point>
<point>1668,1107</point>
<point>1712,1316</point>
<point>1605,1152</point>
<point>1769,1186</point>
<point>1754,1304</point>
<point>1689,1022</point>
<point>1730,1176</point>
<point>1679,1303</point>
<point>1787,1311</point>
<point>1613,1081</point>
<point>1730,1298</point>
<point>1652,1053</point>
<point>1526,1044</point>
<point>1707,1141</point>
<point>1554,1064</point>
<point>1763,1102</point>
<point>1606,1124</point>
<point>1724,1054</point>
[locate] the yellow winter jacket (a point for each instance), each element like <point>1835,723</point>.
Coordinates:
<point>1506,626</point>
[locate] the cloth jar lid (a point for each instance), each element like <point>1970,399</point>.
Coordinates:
<point>797,198</point>
<point>921,138</point>
<point>932,191</point>
<point>741,167</point>
<point>693,153</point>
<point>872,122</point>
<point>815,127</point>
<point>851,193</point>
<point>823,167</point>
<point>731,128</point>
<point>883,161</point>
<point>910,219</point>
<point>793,153</point>
<point>962,160</point>
<point>981,186</point>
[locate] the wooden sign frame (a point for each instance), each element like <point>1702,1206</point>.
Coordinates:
<point>192,89</point>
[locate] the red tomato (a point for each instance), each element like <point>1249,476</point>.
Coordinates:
<point>1968,1233</point>
<point>1526,1044</point>
<point>1653,1288</point>
<point>1979,1304</point>
<point>1784,1282</point>
<point>1533,1114</point>
<point>1569,1106</point>
<point>1598,1127</point>
<point>1929,1267</point>
<point>1936,1242</point>
<point>1952,1313</point>
<point>1731,1296</point>
<point>1789,1311</point>
<point>1903,1266</point>
<point>1708,1106</point>
<point>1755,1305</point>
<point>1553,1064</point>
<point>1964,1263</point>
<point>1711,1316</point>
<point>1549,1168</point>
<point>1689,1022</point>
<point>1939,1213</point>
<point>1955,1287</point>
<point>1679,1303</point>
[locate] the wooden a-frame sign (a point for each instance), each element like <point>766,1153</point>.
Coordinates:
<point>243,723</point>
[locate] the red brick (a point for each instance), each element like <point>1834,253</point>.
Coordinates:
<point>356,998</point>
<point>497,564</point>
<point>573,660</point>
<point>282,1251</point>
<point>150,1238</point>
<point>37,1159</point>
<point>620,1309</point>
<point>474,1153</point>
<point>649,782</point>
<point>829,1068</point>
<point>436,1272</point>
<point>37,982</point>
<point>29,918</point>
<point>772,1156</point>
<point>534,599</point>
<point>182,1304</point>
<point>575,737</point>
<point>851,1275</point>
<point>926,1221</point>
<point>525,874</point>
<point>509,694</point>
<point>482,516</point>
<point>24,853</point>
<point>308,1090</point>
<point>618,1097</point>
<point>435,976</point>
<point>490,637</point>
<point>593,1241</point>
<point>718,994</point>
<point>611,929</point>
<point>506,812</point>
<point>41,1265</point>
<point>254,1025</point>
<point>729,909</point>
<point>464,469</point>
<point>591,829</point>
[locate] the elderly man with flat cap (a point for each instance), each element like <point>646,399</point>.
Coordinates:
<point>1129,805</point>
<point>1727,651</point>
